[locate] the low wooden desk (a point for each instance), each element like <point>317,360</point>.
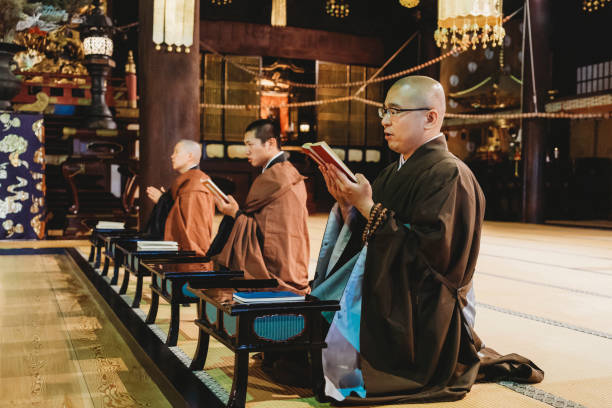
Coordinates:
<point>96,239</point>
<point>110,254</point>
<point>169,281</point>
<point>131,262</point>
<point>255,327</point>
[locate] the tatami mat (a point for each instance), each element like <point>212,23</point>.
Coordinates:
<point>544,292</point>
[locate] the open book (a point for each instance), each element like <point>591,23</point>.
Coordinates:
<point>321,153</point>
<point>157,246</point>
<point>110,225</point>
<point>267,297</point>
<point>215,190</point>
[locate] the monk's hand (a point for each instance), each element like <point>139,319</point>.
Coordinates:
<point>332,187</point>
<point>154,193</point>
<point>358,195</point>
<point>230,207</point>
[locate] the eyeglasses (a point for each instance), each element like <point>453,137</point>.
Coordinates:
<point>396,111</point>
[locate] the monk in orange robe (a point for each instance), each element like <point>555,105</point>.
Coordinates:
<point>268,237</point>
<point>190,219</point>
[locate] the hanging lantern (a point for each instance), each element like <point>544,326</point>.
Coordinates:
<point>467,23</point>
<point>173,22</point>
<point>593,5</point>
<point>279,13</point>
<point>337,8</point>
<point>409,3</point>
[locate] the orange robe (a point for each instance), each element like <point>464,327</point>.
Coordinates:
<point>190,220</point>
<point>276,208</point>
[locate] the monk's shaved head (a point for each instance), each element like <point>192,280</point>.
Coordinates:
<point>413,113</point>
<point>423,91</point>
<point>187,154</point>
<point>190,146</point>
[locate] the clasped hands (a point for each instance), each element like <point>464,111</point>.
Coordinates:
<point>155,193</point>
<point>347,193</point>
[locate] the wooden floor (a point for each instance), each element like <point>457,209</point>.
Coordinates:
<point>58,347</point>
<point>543,291</point>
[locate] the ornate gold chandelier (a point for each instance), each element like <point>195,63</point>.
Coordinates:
<point>337,8</point>
<point>466,23</point>
<point>220,2</point>
<point>409,3</point>
<point>593,5</point>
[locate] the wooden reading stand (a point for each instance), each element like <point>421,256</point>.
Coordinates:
<point>97,242</point>
<point>259,327</point>
<point>169,281</point>
<point>131,259</point>
<point>110,252</point>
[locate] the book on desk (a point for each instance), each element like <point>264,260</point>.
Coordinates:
<point>267,297</point>
<point>157,246</point>
<point>110,225</point>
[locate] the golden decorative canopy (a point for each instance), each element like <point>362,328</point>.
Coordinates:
<point>466,23</point>
<point>409,3</point>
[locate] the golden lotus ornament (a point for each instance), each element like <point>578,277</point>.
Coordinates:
<point>468,23</point>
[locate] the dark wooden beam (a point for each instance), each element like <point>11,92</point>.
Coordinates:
<point>169,104</point>
<point>231,37</point>
<point>534,130</point>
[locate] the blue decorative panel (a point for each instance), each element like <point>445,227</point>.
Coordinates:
<point>188,293</point>
<point>211,313</point>
<point>278,327</point>
<point>22,176</point>
<point>158,281</point>
<point>229,323</point>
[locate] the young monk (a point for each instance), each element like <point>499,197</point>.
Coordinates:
<point>268,238</point>
<point>190,219</point>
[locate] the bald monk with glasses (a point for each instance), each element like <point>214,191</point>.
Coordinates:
<point>400,255</point>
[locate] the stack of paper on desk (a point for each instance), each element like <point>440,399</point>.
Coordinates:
<point>110,225</point>
<point>157,246</point>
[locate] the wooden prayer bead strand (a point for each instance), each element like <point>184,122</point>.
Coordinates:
<point>382,216</point>
<point>373,214</point>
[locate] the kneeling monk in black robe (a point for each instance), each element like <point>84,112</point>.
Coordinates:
<point>400,256</point>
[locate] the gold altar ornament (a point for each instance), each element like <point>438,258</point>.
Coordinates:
<point>593,5</point>
<point>409,3</point>
<point>467,23</point>
<point>337,8</point>
<point>173,22</point>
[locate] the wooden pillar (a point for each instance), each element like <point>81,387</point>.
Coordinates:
<point>534,130</point>
<point>169,103</point>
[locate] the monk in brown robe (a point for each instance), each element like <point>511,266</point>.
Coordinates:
<point>268,237</point>
<point>190,219</point>
<point>400,255</point>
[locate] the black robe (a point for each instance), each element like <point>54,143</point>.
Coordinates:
<point>415,342</point>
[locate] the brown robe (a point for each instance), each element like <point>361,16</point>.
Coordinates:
<point>416,342</point>
<point>190,220</point>
<point>276,209</point>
